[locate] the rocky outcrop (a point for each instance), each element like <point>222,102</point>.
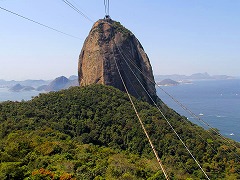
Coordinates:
<point>109,43</point>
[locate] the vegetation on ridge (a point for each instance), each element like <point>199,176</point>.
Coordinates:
<point>118,27</point>
<point>93,133</point>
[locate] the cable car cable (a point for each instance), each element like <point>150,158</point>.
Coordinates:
<point>36,22</point>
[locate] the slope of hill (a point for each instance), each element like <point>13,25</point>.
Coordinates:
<point>92,132</point>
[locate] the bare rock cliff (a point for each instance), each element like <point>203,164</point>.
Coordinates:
<point>109,43</point>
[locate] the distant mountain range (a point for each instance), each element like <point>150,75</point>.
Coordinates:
<point>32,83</point>
<point>40,85</point>
<point>193,77</point>
<point>63,83</point>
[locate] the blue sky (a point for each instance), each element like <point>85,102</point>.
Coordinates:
<point>179,36</point>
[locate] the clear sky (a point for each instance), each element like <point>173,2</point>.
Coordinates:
<point>179,36</point>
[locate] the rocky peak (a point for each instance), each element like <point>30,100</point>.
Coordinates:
<point>109,43</point>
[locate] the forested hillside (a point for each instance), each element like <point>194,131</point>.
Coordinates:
<point>93,133</point>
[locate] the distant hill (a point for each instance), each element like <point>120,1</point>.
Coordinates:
<point>19,87</point>
<point>200,76</point>
<point>60,83</point>
<point>73,77</point>
<point>42,88</point>
<point>168,82</point>
<point>193,77</point>
<point>34,83</point>
<point>72,83</point>
<point>57,84</point>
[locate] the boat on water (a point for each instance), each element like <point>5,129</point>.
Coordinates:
<point>201,114</point>
<point>231,134</point>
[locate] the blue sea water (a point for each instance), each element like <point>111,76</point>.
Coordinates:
<point>216,102</point>
<point>6,95</point>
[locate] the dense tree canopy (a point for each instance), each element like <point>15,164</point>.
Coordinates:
<point>93,133</point>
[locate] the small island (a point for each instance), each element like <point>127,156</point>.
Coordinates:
<point>19,87</point>
<point>168,82</point>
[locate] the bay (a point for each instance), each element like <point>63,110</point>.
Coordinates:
<point>216,102</point>
<point>6,95</point>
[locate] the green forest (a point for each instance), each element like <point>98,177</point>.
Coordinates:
<point>92,132</point>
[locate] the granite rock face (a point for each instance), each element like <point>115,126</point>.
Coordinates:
<point>109,43</point>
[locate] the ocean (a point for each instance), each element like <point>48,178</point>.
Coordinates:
<point>216,101</point>
<point>6,95</point>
